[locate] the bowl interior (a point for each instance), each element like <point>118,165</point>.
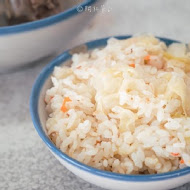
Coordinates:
<point>39,115</point>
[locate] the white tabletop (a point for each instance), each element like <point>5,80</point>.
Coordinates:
<point>25,162</point>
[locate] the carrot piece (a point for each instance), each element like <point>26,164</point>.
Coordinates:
<point>132,65</point>
<point>67,99</point>
<point>182,161</point>
<point>174,154</point>
<point>63,107</point>
<point>147,58</point>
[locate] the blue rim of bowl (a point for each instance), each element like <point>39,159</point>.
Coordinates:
<point>5,30</point>
<point>45,73</point>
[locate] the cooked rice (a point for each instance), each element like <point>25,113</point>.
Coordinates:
<point>124,108</point>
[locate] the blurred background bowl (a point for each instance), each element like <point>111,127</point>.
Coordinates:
<point>25,43</point>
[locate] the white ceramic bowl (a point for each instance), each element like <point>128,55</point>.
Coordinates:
<point>98,177</point>
<point>25,43</point>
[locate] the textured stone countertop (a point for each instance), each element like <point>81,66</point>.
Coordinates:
<point>25,162</point>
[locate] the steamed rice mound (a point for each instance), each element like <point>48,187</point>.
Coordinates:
<point>124,108</point>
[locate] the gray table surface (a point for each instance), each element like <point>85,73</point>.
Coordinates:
<point>25,162</point>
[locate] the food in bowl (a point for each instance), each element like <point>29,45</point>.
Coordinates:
<point>18,12</point>
<point>124,108</point>
<point>44,8</point>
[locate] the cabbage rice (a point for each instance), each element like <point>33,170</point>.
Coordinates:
<point>124,108</point>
